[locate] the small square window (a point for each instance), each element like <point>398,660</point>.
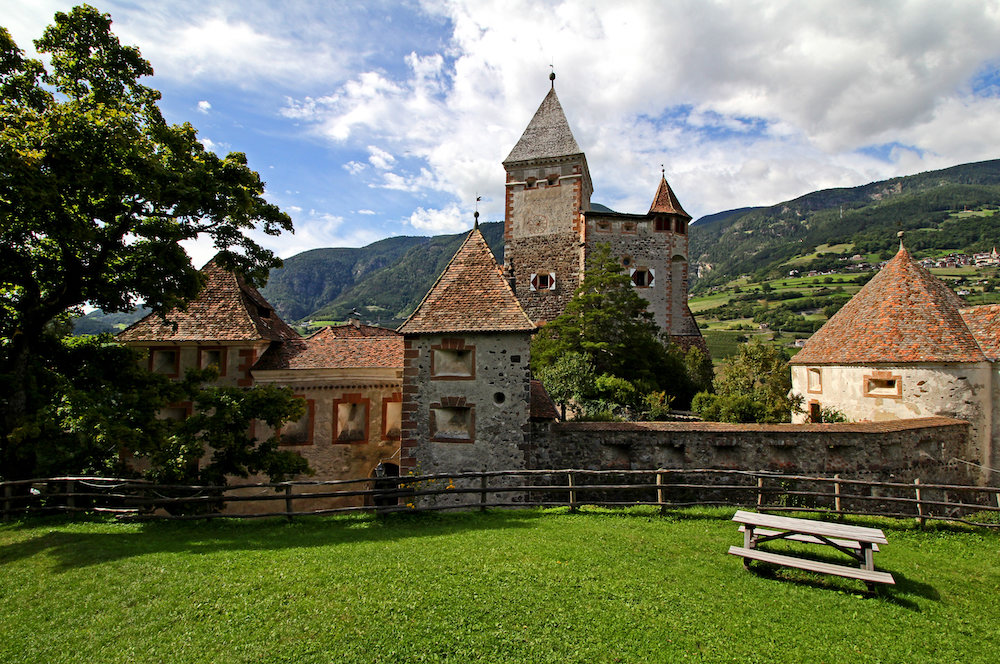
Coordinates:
<point>453,363</point>
<point>604,226</point>
<point>166,361</point>
<point>642,277</point>
<point>883,384</point>
<point>543,281</point>
<point>454,424</point>
<point>628,227</point>
<point>216,357</point>
<point>661,225</point>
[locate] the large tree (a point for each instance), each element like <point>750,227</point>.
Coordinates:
<point>96,193</point>
<point>607,328</point>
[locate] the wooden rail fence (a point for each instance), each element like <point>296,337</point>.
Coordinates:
<point>663,488</point>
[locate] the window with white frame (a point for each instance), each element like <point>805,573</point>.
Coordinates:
<point>543,281</point>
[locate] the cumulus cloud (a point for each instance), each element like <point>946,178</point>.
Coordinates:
<point>451,219</point>
<point>204,106</point>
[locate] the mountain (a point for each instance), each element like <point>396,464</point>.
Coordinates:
<point>867,218</point>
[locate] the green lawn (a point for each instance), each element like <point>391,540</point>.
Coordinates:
<point>506,586</point>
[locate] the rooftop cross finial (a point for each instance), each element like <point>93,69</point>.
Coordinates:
<point>663,171</point>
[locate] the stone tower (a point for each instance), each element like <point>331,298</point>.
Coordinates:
<point>550,228</point>
<point>548,190</point>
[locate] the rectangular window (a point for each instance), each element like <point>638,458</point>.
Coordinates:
<point>351,418</point>
<point>392,419</point>
<point>661,225</point>
<point>884,385</point>
<point>681,226</point>
<point>815,413</point>
<point>543,281</point>
<point>166,361</point>
<point>453,360</point>
<point>815,381</point>
<point>209,356</point>
<point>603,226</point>
<point>642,277</point>
<point>300,432</point>
<point>452,424</point>
<point>628,227</point>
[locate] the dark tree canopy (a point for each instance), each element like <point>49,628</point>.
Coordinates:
<point>606,336</point>
<point>96,193</point>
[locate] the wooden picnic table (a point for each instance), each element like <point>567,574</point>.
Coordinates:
<point>855,541</point>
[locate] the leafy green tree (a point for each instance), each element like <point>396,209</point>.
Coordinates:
<point>222,423</point>
<point>607,323</point>
<point>96,193</point>
<point>754,387</point>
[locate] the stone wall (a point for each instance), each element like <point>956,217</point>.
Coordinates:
<point>454,423</point>
<point>961,391</point>
<point>901,449</point>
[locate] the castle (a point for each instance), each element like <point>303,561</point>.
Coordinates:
<point>551,227</point>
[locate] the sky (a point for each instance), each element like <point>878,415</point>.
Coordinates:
<point>374,119</point>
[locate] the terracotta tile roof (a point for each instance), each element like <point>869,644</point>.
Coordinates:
<point>984,323</point>
<point>340,347</point>
<point>666,202</point>
<point>904,314</point>
<point>471,295</point>
<point>227,309</point>
<point>541,406</point>
<point>547,135</point>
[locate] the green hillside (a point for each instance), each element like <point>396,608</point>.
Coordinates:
<point>763,241</point>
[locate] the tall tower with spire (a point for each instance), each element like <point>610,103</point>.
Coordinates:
<point>550,228</point>
<point>548,190</point>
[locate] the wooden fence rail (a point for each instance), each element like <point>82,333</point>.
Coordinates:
<point>663,488</point>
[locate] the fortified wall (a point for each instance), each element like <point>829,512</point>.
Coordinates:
<point>928,448</point>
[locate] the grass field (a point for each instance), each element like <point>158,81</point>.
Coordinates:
<point>504,586</point>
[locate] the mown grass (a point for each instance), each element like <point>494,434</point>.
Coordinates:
<point>505,586</point>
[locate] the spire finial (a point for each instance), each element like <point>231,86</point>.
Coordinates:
<point>552,76</point>
<point>900,236</point>
<point>663,171</point>
<point>475,215</point>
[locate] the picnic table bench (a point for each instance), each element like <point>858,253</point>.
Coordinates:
<point>857,542</point>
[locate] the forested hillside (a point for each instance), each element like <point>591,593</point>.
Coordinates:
<point>762,240</point>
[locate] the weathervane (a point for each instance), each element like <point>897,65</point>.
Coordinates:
<point>476,213</point>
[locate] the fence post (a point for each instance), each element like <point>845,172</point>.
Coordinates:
<point>288,502</point>
<point>920,507</point>
<point>836,495</point>
<point>8,491</point>
<point>482,492</point>
<point>70,497</point>
<point>572,493</point>
<point>659,492</point>
<point>760,494</point>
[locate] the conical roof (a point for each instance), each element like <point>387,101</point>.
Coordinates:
<point>471,295</point>
<point>548,134</point>
<point>904,314</point>
<point>226,309</point>
<point>666,202</point>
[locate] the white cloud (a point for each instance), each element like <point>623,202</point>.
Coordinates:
<point>449,220</point>
<point>380,159</point>
<point>204,106</point>
<point>366,211</point>
<point>354,167</point>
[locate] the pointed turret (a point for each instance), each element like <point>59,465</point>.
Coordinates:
<point>548,134</point>
<point>666,202</point>
<point>904,314</point>
<point>471,295</point>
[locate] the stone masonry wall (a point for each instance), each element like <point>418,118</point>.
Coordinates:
<point>901,449</point>
<point>496,401</point>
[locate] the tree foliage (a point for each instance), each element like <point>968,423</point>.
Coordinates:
<point>753,387</point>
<point>604,354</point>
<point>96,193</point>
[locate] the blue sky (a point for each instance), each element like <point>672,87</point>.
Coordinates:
<point>372,119</point>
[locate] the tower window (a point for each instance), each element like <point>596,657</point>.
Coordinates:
<point>681,226</point>
<point>642,277</point>
<point>529,183</point>
<point>552,180</point>
<point>815,384</point>
<point>883,384</point>
<point>661,225</point>
<point>543,281</point>
<point>604,226</point>
<point>628,227</point>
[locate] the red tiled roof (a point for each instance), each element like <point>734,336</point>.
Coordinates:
<point>471,295</point>
<point>984,323</point>
<point>541,406</point>
<point>227,309</point>
<point>341,347</point>
<point>666,202</point>
<point>904,314</point>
